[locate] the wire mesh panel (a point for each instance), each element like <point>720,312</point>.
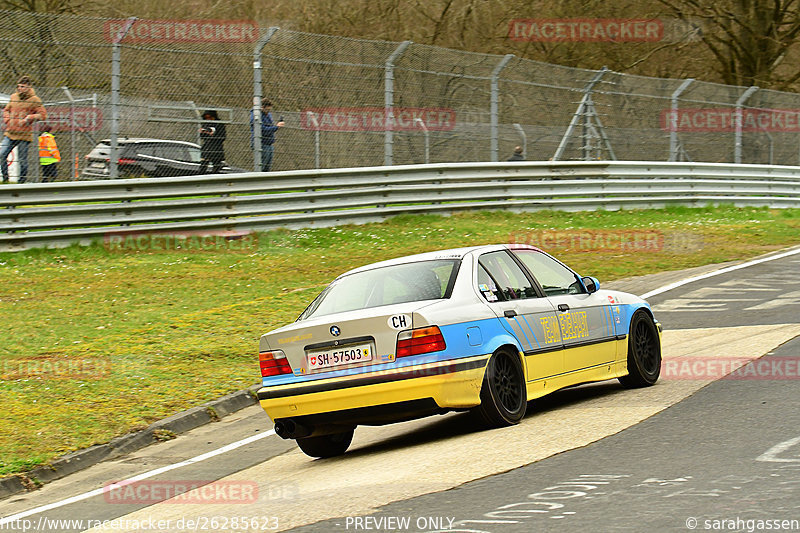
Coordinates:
<point>173,71</point>
<point>328,90</point>
<point>704,122</point>
<point>542,99</point>
<point>771,128</point>
<point>354,102</point>
<point>448,94</point>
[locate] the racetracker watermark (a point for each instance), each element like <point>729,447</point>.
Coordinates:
<point>56,367</point>
<point>738,368</point>
<point>206,522</point>
<point>586,30</point>
<point>200,492</point>
<point>729,120</point>
<point>593,240</point>
<point>185,241</point>
<point>608,241</point>
<point>77,118</point>
<point>182,31</point>
<point>378,119</point>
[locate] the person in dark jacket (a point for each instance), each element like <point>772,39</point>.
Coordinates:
<point>517,155</point>
<point>268,129</point>
<point>212,138</point>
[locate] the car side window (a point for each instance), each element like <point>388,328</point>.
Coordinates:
<point>554,277</point>
<point>161,152</point>
<point>509,280</point>
<point>487,286</point>
<point>145,149</point>
<point>174,152</point>
<point>183,154</point>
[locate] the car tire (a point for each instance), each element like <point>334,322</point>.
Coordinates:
<point>503,394</point>
<point>325,446</point>
<point>644,352</point>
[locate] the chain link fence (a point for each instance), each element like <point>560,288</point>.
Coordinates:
<point>352,102</point>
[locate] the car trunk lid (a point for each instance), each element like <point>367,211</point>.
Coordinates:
<point>345,340</point>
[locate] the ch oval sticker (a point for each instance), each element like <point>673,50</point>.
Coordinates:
<point>399,322</point>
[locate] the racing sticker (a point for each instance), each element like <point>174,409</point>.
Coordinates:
<point>487,292</point>
<point>399,322</point>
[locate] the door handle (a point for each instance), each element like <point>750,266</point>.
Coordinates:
<point>510,313</point>
<point>563,307</point>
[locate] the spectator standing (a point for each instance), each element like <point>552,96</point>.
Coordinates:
<point>212,137</point>
<point>517,155</point>
<point>22,110</point>
<point>268,129</point>
<point>49,156</point>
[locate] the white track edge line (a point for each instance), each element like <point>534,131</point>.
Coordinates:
<point>725,270</point>
<point>139,477</point>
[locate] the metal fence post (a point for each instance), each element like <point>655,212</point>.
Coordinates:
<point>524,138</point>
<point>113,171</point>
<point>388,103</point>
<point>673,125</point>
<point>771,146</point>
<point>427,139</point>
<point>493,111</point>
<point>737,147</point>
<point>313,118</point>
<point>37,174</point>
<point>71,128</point>
<point>257,94</point>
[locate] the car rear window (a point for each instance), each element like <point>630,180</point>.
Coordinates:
<point>408,282</point>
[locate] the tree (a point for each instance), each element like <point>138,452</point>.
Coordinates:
<point>750,40</point>
<point>43,6</point>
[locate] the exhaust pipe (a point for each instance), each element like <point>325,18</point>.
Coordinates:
<point>281,430</point>
<point>286,428</point>
<point>290,428</point>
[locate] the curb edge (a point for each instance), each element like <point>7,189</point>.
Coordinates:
<point>176,424</point>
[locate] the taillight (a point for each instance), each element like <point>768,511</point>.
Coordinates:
<point>124,161</point>
<point>419,341</point>
<point>274,363</point>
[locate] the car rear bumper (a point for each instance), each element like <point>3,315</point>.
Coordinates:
<point>451,384</point>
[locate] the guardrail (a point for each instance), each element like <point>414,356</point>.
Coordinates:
<point>58,214</point>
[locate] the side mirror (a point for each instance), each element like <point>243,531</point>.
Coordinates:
<point>591,284</point>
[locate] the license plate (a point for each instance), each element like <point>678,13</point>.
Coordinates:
<point>98,165</point>
<point>340,355</point>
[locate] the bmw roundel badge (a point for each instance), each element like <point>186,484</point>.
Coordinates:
<point>335,331</point>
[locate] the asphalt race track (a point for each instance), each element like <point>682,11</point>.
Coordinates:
<point>693,452</point>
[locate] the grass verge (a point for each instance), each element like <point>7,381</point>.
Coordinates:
<point>100,342</point>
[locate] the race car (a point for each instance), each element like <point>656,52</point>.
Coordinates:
<point>485,328</point>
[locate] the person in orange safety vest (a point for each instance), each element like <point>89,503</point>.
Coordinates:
<point>49,156</point>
